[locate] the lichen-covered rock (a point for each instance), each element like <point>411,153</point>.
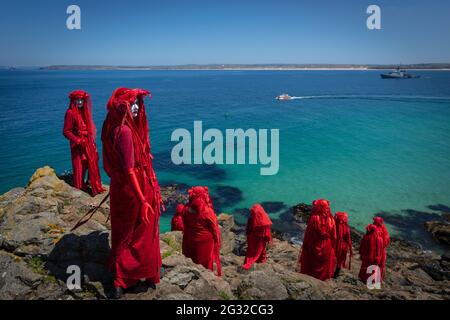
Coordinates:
<point>16,278</point>
<point>173,195</point>
<point>439,230</point>
<point>226,223</point>
<point>193,279</point>
<point>262,285</point>
<point>37,217</point>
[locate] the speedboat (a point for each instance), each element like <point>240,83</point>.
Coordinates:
<point>398,74</point>
<point>284,96</point>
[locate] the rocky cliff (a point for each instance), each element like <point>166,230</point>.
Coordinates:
<point>36,247</point>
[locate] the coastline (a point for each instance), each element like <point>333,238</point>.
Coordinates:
<point>231,69</point>
<point>260,67</point>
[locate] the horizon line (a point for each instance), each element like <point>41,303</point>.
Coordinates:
<point>229,64</point>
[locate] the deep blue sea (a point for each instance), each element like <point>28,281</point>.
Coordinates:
<point>366,144</point>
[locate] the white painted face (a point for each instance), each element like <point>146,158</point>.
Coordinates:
<point>134,108</point>
<point>79,103</point>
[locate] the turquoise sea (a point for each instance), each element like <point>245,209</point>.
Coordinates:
<point>366,144</point>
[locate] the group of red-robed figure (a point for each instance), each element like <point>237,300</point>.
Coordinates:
<point>201,232</point>
<point>135,204</point>
<point>327,244</point>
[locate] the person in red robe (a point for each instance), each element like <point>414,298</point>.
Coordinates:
<point>371,252</point>
<point>135,199</point>
<point>201,237</point>
<point>79,129</point>
<point>318,258</point>
<point>177,220</point>
<point>258,236</point>
<point>379,222</point>
<point>343,242</point>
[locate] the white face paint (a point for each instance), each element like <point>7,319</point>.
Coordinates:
<point>79,103</point>
<point>134,109</point>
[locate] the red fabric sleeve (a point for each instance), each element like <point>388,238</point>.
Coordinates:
<point>333,235</point>
<point>69,121</point>
<point>213,227</point>
<point>124,145</point>
<point>211,224</point>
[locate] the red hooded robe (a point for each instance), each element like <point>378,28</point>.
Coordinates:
<point>177,219</point>
<point>79,129</point>
<point>371,251</point>
<point>135,194</point>
<point>258,236</point>
<point>343,240</point>
<point>201,237</point>
<point>318,257</point>
<point>379,222</point>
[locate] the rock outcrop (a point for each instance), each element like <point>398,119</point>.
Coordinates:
<point>439,230</point>
<point>37,247</point>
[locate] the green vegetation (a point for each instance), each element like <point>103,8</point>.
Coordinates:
<point>37,265</point>
<point>167,254</point>
<point>86,294</point>
<point>172,243</point>
<point>49,279</point>
<point>224,296</point>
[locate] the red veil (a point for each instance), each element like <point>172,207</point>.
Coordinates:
<point>119,114</point>
<point>379,222</point>
<point>200,195</point>
<point>259,218</point>
<point>87,110</point>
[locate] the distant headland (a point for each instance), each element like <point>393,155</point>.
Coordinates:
<point>421,66</point>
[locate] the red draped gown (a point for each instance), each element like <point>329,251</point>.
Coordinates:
<point>135,252</point>
<point>343,244</point>
<point>318,258</point>
<point>371,251</point>
<point>201,238</point>
<point>83,151</point>
<point>258,236</point>
<point>386,240</point>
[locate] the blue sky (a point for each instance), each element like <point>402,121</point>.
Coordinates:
<point>170,32</point>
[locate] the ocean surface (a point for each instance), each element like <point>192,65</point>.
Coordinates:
<point>370,146</point>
